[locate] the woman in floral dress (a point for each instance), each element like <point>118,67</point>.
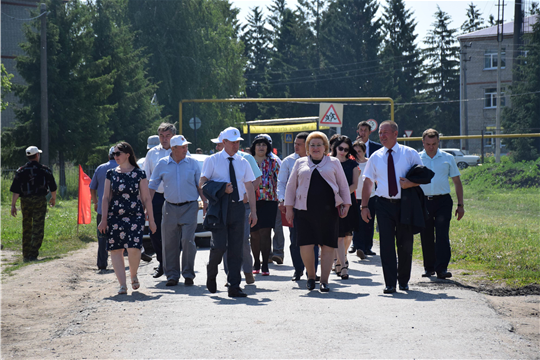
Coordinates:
<point>126,190</point>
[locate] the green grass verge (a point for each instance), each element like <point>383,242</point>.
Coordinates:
<point>60,233</point>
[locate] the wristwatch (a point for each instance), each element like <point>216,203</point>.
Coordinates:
<point>459,205</point>
<point>363,207</point>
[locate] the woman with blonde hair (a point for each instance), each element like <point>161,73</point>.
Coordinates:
<point>318,195</point>
<point>125,192</point>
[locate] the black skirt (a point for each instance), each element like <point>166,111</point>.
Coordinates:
<point>266,214</point>
<point>318,225</point>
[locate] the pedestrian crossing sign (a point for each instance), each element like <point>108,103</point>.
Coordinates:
<point>331,114</point>
<point>288,138</point>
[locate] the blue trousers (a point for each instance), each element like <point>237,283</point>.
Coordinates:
<point>102,254</point>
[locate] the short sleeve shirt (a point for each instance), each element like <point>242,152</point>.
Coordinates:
<point>444,166</point>
<point>33,179</point>
<point>98,180</point>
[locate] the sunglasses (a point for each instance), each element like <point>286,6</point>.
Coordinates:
<point>341,148</point>
<point>118,153</point>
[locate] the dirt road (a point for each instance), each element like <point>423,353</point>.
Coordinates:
<point>66,309</point>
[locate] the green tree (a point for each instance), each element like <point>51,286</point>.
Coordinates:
<point>474,21</point>
<point>134,117</point>
<point>442,70</point>
<point>77,88</point>
<point>256,38</point>
<point>402,62</point>
<point>524,114</point>
<point>194,52</point>
<point>6,86</point>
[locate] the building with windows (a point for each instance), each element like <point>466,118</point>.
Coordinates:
<point>479,81</point>
<point>14,15</point>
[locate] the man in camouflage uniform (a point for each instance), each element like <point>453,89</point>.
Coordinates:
<point>32,183</point>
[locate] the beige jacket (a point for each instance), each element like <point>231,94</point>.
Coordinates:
<point>331,171</point>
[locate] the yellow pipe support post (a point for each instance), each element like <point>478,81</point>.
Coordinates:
<point>501,136</point>
<point>266,100</point>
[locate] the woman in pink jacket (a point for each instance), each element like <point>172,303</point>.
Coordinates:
<point>318,195</point>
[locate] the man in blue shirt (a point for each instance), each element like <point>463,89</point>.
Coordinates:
<point>180,175</point>
<point>435,236</point>
<point>96,191</point>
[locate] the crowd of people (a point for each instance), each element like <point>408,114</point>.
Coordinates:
<point>328,192</point>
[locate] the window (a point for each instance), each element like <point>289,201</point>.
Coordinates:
<point>488,141</point>
<point>490,96</point>
<point>490,59</point>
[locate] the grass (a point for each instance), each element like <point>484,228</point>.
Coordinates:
<point>60,232</point>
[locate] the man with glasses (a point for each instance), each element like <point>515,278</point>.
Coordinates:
<point>165,132</point>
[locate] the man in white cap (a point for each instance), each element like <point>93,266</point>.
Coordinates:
<point>165,132</point>
<point>32,183</point>
<point>180,175</point>
<point>232,173</point>
<point>247,260</point>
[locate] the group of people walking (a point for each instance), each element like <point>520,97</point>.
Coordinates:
<point>329,191</point>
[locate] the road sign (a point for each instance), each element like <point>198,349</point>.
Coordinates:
<point>408,133</point>
<point>194,122</point>
<point>373,124</point>
<point>331,114</point>
<point>288,138</point>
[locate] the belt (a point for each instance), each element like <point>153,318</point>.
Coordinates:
<point>393,201</point>
<point>433,197</point>
<point>180,204</point>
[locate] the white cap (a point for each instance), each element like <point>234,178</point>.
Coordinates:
<point>231,134</point>
<point>32,150</point>
<point>153,140</point>
<point>179,140</point>
<point>217,140</point>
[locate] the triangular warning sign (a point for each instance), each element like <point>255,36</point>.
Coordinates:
<point>331,117</point>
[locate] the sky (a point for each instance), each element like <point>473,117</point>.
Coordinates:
<point>423,11</point>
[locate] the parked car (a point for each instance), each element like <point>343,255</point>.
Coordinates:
<point>463,161</point>
<point>202,237</point>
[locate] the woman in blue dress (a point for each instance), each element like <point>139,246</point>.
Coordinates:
<point>126,190</point>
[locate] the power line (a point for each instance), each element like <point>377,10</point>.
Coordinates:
<point>14,18</point>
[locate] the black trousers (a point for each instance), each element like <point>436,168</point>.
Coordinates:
<point>157,206</point>
<point>102,254</point>
<point>363,238</point>
<point>393,234</point>
<point>229,239</point>
<point>435,236</point>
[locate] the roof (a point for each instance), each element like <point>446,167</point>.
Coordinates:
<point>508,29</point>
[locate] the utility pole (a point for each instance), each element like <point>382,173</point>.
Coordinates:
<point>44,96</point>
<point>500,36</point>
<point>518,23</point>
<point>464,124</point>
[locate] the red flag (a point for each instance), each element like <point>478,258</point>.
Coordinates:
<point>85,199</point>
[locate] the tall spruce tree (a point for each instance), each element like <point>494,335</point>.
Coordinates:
<point>402,61</point>
<point>256,38</point>
<point>524,114</point>
<point>77,89</point>
<point>474,21</point>
<point>134,116</point>
<point>350,41</point>
<point>442,70</point>
<point>195,53</point>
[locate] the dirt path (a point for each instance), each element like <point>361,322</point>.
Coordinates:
<point>66,309</point>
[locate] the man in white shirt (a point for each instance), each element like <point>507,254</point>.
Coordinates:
<point>232,169</point>
<point>435,236</point>
<point>389,166</point>
<point>165,132</point>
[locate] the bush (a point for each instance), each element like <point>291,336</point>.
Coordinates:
<point>505,175</point>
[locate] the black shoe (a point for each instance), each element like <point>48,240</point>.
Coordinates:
<point>428,273</point>
<point>146,257</point>
<point>211,285</point>
<point>389,290</point>
<point>237,292</point>
<point>102,268</point>
<point>404,287</point>
<point>369,252</point>
<point>30,258</point>
<point>172,282</point>
<point>352,250</point>
<point>317,278</point>
<point>188,281</point>
<point>278,259</point>
<point>324,287</point>
<point>158,273</point>
<point>310,285</point>
<point>297,276</point>
<point>444,275</point>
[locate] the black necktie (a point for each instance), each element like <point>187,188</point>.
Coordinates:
<point>234,195</point>
<point>392,185</point>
